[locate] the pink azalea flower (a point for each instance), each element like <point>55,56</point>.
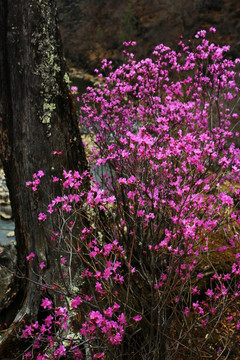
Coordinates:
<point>42,217</point>
<point>212,29</point>
<point>63,260</point>
<point>30,256</point>
<point>209,293</point>
<point>74,89</point>
<point>46,304</point>
<point>75,302</point>
<point>98,356</point>
<point>40,173</point>
<point>60,351</point>
<point>42,265</point>
<point>48,320</point>
<point>137,318</point>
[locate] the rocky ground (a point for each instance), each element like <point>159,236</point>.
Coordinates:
<point>7,239</point>
<point>6,222</point>
<point>5,207</point>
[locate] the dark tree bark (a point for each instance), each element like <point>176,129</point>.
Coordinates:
<point>37,117</point>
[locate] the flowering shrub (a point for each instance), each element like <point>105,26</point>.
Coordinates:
<point>149,255</point>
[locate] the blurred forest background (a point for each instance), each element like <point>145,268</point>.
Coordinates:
<point>95,29</point>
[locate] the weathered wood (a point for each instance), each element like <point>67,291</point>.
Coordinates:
<point>37,118</point>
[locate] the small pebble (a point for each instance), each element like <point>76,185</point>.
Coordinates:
<point>10,234</point>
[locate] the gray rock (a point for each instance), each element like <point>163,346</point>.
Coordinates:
<point>6,211</point>
<point>11,234</point>
<point>8,258</point>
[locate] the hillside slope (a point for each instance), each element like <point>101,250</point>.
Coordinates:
<point>95,29</point>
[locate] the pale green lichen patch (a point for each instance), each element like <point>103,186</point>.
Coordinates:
<point>47,112</point>
<point>48,63</point>
<point>49,107</point>
<point>46,119</point>
<point>66,78</point>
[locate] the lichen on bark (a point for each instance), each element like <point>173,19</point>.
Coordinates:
<point>48,64</point>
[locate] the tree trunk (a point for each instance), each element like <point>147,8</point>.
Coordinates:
<point>37,117</point>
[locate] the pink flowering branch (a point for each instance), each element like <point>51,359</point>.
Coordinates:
<point>149,254</point>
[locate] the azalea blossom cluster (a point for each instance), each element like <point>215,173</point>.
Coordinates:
<point>104,272</point>
<point>43,333</point>
<point>36,180</point>
<point>159,242</point>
